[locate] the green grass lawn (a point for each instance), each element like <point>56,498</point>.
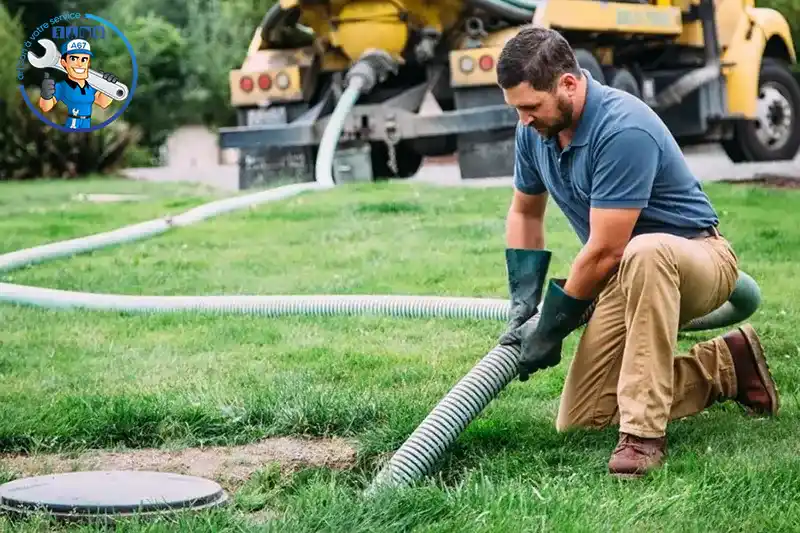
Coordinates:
<point>77,380</point>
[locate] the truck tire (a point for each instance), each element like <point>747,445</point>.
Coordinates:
<point>775,135</point>
<point>408,161</point>
<point>622,79</point>
<point>586,60</point>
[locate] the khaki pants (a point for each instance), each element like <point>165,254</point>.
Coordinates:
<point>625,370</point>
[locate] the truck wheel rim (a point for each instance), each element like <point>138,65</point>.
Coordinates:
<point>774,117</point>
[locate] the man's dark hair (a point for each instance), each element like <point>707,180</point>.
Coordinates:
<point>536,55</point>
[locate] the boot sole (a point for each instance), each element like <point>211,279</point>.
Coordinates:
<point>627,476</point>
<point>763,367</point>
<point>634,475</point>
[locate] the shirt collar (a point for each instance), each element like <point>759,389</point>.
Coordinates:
<point>593,97</point>
<point>74,85</point>
<point>594,94</point>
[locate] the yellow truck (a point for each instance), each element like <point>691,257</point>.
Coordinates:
<point>714,70</point>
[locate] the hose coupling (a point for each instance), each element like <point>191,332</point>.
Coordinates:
<point>372,67</point>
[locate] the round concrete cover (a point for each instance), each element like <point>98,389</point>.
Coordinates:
<point>110,492</point>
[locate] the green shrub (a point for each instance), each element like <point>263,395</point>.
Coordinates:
<point>10,50</point>
<point>158,101</point>
<point>217,35</point>
<point>30,149</point>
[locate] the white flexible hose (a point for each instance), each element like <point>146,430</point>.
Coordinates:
<point>330,137</point>
<point>270,306</point>
<point>144,230</point>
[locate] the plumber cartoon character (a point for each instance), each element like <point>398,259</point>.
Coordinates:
<point>75,92</point>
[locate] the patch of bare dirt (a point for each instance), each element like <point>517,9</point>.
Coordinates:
<point>773,181</point>
<point>228,465</point>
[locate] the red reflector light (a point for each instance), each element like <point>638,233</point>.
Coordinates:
<point>264,82</point>
<point>486,62</point>
<point>246,83</point>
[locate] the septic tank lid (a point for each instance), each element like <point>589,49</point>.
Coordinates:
<point>116,492</point>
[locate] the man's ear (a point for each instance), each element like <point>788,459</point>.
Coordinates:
<point>63,63</point>
<point>569,82</point>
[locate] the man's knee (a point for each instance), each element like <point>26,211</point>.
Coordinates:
<point>566,422</point>
<point>569,419</point>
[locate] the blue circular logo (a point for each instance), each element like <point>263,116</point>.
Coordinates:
<point>73,75</point>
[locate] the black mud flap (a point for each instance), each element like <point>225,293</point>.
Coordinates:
<point>267,167</point>
<point>263,167</point>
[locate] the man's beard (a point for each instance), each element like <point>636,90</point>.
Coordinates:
<point>565,108</point>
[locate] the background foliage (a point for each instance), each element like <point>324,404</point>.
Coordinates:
<point>185,50</point>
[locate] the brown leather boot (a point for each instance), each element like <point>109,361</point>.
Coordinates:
<point>756,390</point>
<point>636,456</point>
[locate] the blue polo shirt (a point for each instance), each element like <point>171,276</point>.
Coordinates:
<point>622,155</point>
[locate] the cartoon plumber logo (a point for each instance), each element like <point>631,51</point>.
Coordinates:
<point>79,96</point>
<point>83,87</point>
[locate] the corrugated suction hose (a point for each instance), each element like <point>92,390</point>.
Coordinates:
<point>417,456</point>
<point>453,413</point>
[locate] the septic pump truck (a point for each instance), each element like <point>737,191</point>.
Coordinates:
<point>714,70</point>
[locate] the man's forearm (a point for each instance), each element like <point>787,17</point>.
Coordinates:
<point>524,231</point>
<point>590,271</point>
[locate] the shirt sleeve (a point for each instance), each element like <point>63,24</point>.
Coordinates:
<point>60,91</point>
<point>625,168</point>
<point>526,176</point>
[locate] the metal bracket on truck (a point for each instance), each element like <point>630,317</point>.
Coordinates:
<point>371,122</point>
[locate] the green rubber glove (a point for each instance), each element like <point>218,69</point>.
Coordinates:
<point>527,272</point>
<point>540,338</point>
